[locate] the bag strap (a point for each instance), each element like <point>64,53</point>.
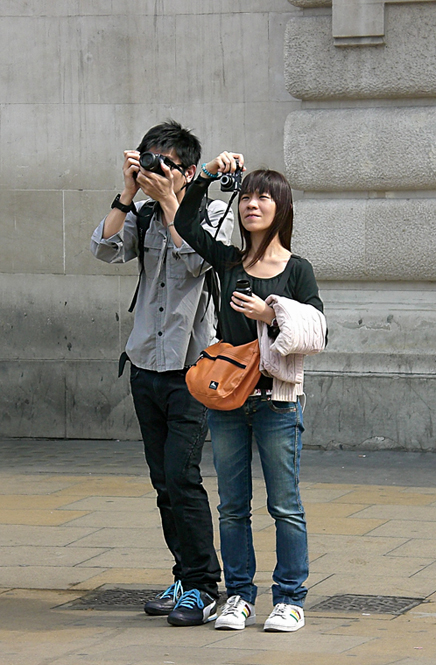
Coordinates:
<point>143,220</point>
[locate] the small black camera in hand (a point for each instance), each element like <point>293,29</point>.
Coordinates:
<point>231,182</point>
<point>244,286</point>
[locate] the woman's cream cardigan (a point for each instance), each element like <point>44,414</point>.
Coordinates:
<point>302,332</point>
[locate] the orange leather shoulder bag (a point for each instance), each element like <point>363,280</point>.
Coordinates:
<point>225,375</point>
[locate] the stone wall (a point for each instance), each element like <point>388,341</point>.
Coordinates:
<point>81,82</point>
<point>361,150</point>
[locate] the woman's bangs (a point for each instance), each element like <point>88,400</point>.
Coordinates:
<point>264,182</point>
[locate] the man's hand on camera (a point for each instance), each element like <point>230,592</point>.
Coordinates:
<point>225,163</point>
<point>130,169</point>
<point>159,188</point>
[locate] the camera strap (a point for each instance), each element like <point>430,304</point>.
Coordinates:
<point>212,281</point>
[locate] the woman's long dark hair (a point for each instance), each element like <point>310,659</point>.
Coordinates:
<point>276,185</point>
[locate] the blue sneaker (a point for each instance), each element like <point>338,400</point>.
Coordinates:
<point>193,608</point>
<point>164,602</point>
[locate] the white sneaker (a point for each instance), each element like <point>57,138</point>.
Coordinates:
<point>236,614</point>
<point>287,618</point>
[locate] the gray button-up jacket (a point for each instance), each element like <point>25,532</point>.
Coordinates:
<point>171,325</point>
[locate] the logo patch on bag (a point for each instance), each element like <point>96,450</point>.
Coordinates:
<point>213,385</point>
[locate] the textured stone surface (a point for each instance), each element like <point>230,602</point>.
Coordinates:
<point>32,233</point>
<point>361,149</point>
<point>370,412</point>
<point>316,69</point>
<point>378,328</point>
<point>51,317</point>
<point>34,401</point>
<point>368,239</point>
<point>98,404</point>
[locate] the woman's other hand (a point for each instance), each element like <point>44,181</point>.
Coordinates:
<point>252,307</point>
<point>225,163</point>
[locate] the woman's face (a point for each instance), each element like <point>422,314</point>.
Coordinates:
<point>257,211</point>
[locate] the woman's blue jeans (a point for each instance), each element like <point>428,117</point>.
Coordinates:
<point>277,429</point>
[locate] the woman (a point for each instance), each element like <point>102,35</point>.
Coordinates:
<point>273,413</point>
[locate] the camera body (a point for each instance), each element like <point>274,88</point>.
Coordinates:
<point>151,161</point>
<point>231,182</point>
<point>244,286</point>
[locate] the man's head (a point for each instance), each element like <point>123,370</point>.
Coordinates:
<point>172,137</point>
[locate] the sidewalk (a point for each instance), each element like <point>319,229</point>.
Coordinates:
<point>76,516</point>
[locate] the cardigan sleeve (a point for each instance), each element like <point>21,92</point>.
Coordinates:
<point>302,327</point>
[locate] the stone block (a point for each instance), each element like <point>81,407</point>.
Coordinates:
<point>54,157</point>
<point>375,149</point>
<point>136,7</point>
<point>225,46</point>
<point>23,61</point>
<point>112,50</point>
<point>32,233</point>
<point>315,69</point>
<point>277,27</point>
<point>356,412</point>
<point>372,239</point>
<point>32,399</point>
<point>310,4</point>
<point>358,18</point>
<point>98,404</point>
<point>378,328</point>
<point>60,318</point>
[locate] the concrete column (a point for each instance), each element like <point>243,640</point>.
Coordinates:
<point>360,152</point>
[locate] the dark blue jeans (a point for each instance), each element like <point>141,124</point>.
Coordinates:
<point>174,427</point>
<point>277,428</point>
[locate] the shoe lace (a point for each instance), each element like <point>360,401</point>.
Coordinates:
<point>279,610</point>
<point>175,590</point>
<point>190,599</point>
<point>231,606</point>
<point>284,610</point>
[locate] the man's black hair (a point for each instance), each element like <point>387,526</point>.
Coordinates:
<point>171,135</point>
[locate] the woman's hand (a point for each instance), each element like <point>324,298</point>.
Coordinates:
<point>225,163</point>
<point>252,307</point>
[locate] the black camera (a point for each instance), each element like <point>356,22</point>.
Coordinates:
<point>244,286</point>
<point>151,161</point>
<point>231,182</point>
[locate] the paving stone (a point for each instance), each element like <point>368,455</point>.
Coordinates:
<point>405,529</point>
<point>39,517</point>
<point>344,526</point>
<point>31,556</point>
<point>42,535</point>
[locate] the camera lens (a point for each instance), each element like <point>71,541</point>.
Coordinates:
<point>227,182</point>
<point>151,162</point>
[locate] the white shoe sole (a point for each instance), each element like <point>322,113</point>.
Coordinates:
<point>279,628</point>
<point>227,626</point>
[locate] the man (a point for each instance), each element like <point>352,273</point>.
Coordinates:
<point>172,324</point>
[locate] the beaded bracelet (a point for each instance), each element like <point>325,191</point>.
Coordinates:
<point>214,176</point>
